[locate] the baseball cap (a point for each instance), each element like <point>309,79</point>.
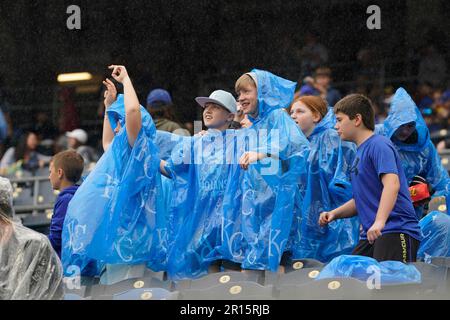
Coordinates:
<point>78,134</point>
<point>159,95</point>
<point>221,98</point>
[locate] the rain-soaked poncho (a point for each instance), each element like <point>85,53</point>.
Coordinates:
<point>328,188</point>
<point>261,199</point>
<point>366,268</point>
<point>29,267</point>
<point>435,228</point>
<point>200,168</point>
<point>420,158</point>
<point>166,142</point>
<point>117,216</point>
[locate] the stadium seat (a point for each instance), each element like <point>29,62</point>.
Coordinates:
<point>73,296</point>
<point>434,285</point>
<point>219,278</point>
<point>297,264</point>
<point>338,289</point>
<point>161,275</point>
<point>292,276</point>
<point>437,204</point>
<point>243,290</point>
<point>22,196</point>
<point>46,194</point>
<point>41,172</point>
<point>441,261</point>
<point>39,222</point>
<point>117,273</point>
<point>106,292</point>
<point>146,294</point>
<point>76,294</point>
<point>19,174</point>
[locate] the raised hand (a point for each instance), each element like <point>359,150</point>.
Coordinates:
<point>119,73</point>
<point>110,93</point>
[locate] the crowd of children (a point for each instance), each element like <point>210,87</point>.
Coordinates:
<point>301,180</point>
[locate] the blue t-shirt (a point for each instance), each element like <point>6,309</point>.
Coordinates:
<point>59,214</point>
<point>374,157</point>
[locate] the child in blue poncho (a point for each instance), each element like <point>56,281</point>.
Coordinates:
<point>200,168</point>
<point>273,155</point>
<point>328,184</point>
<point>407,129</point>
<point>115,217</point>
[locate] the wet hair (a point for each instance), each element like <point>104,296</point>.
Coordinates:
<point>354,104</point>
<point>71,163</point>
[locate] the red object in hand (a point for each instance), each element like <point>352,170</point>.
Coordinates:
<point>419,193</point>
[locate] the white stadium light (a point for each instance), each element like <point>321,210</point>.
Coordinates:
<point>72,77</point>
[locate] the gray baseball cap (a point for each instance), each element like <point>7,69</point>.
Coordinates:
<point>221,98</point>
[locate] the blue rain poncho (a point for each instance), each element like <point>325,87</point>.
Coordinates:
<point>435,228</point>
<point>117,216</point>
<point>328,188</point>
<point>200,168</point>
<point>166,142</point>
<point>366,268</point>
<point>259,202</point>
<point>420,158</point>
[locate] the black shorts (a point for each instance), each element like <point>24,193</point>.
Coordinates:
<point>390,246</point>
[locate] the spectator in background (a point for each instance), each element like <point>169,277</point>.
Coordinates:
<point>313,54</point>
<point>46,132</point>
<point>441,106</point>
<point>308,88</point>
<point>65,171</point>
<point>44,127</point>
<point>25,153</point>
<point>30,269</point>
<point>77,140</point>
<point>432,67</point>
<point>322,81</point>
<point>69,116</point>
<point>409,133</point>
<point>444,112</point>
<point>424,97</point>
<point>368,66</point>
<point>320,85</point>
<point>160,107</point>
<point>429,115</point>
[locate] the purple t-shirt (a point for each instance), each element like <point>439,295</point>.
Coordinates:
<point>374,157</point>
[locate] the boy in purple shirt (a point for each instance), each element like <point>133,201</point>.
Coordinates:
<point>65,171</point>
<point>381,199</point>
